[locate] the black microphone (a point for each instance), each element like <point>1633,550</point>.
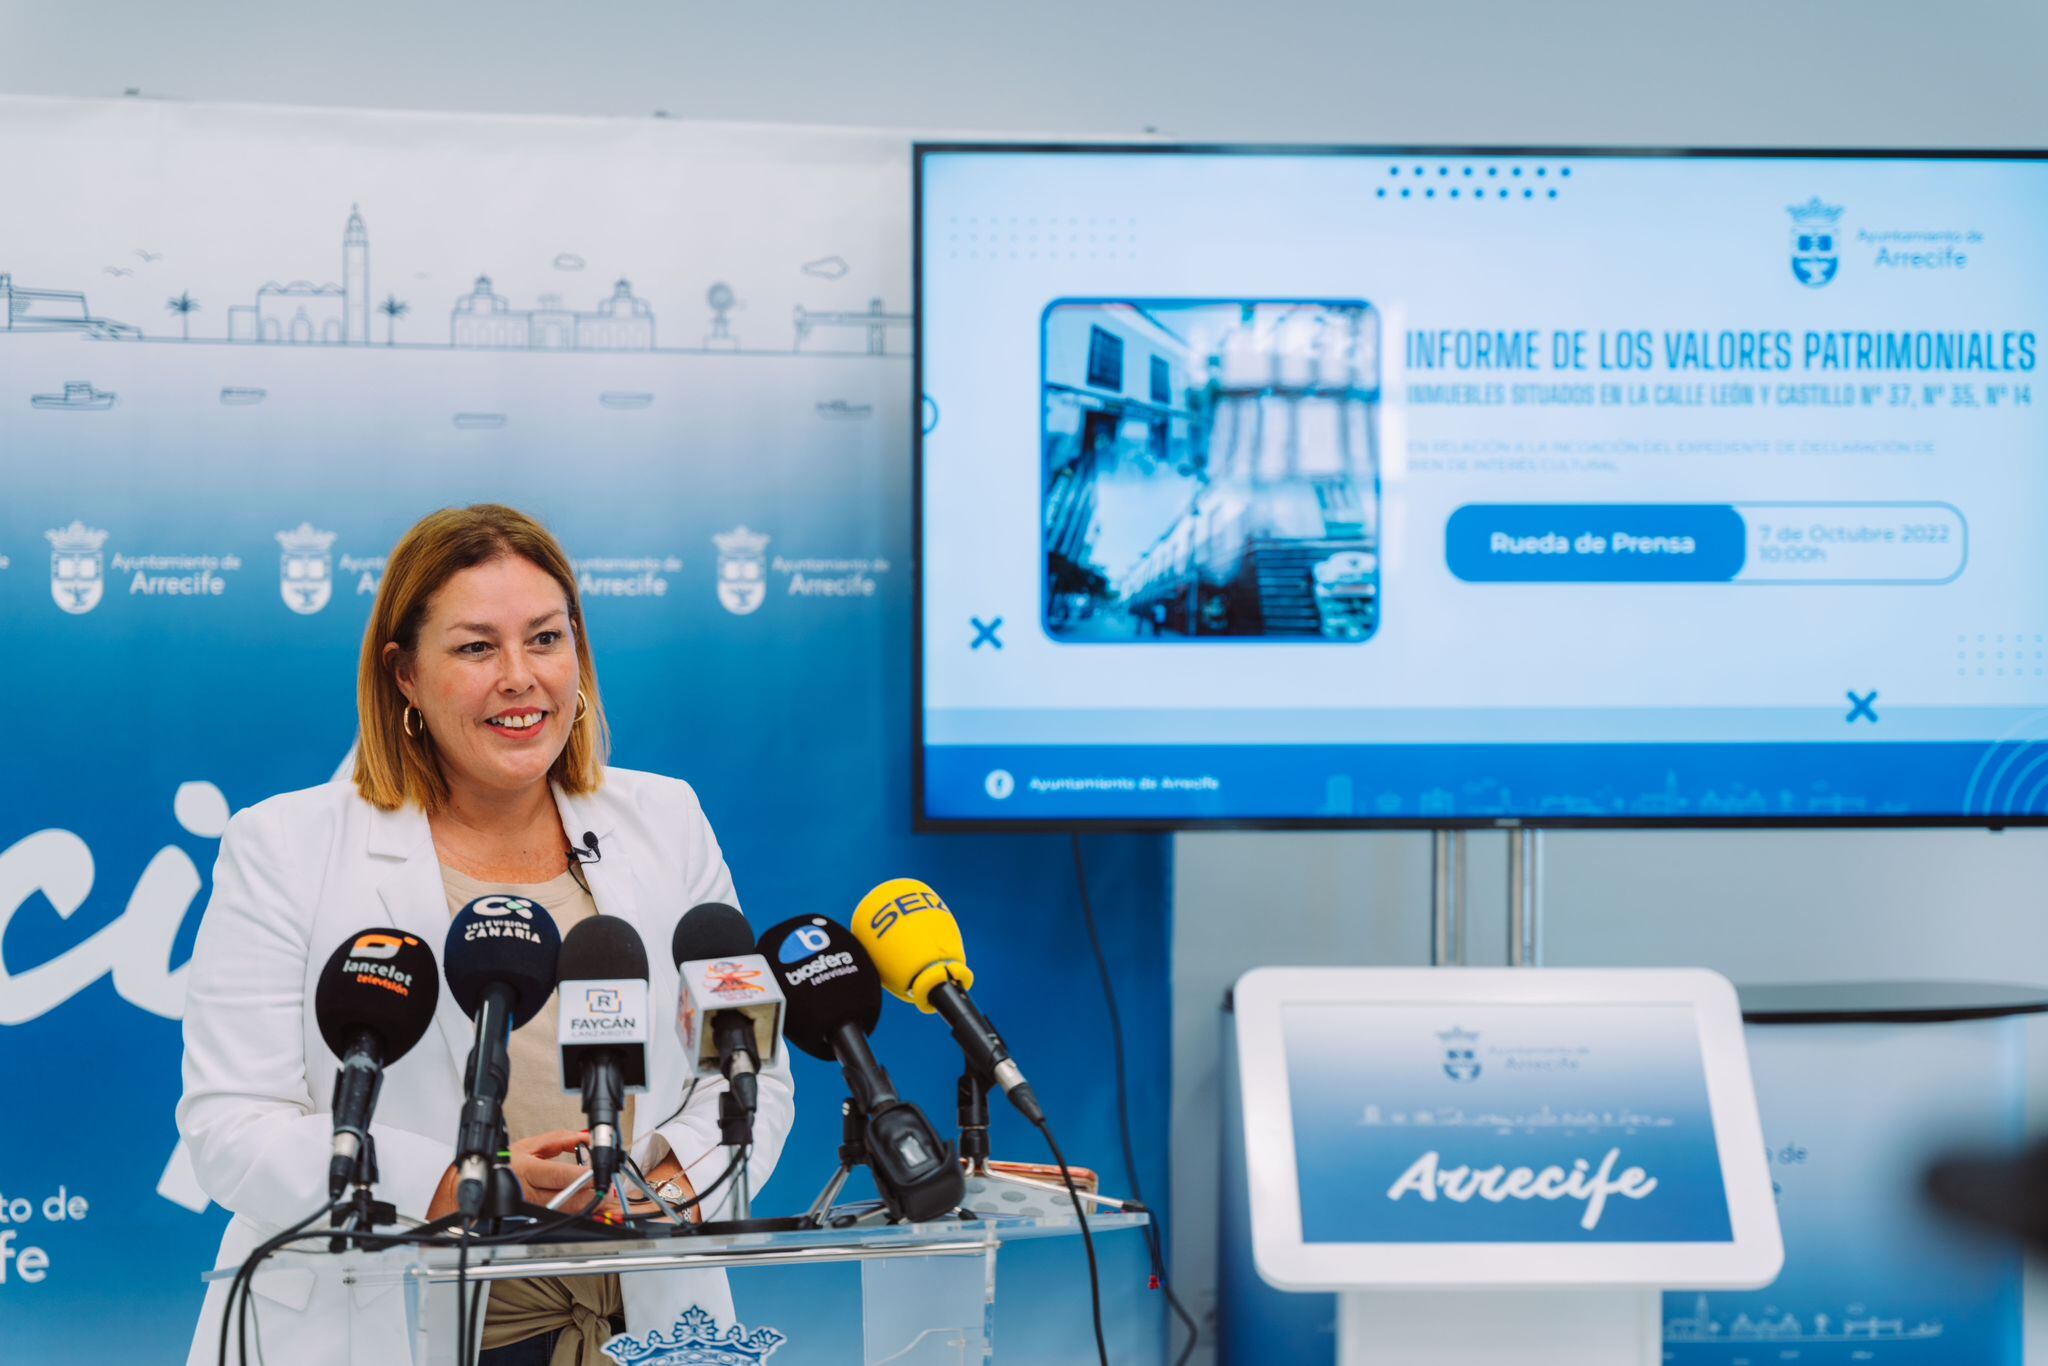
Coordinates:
<point>603,1030</point>
<point>373,1002</point>
<point>1998,1190</point>
<point>500,960</point>
<point>834,999</point>
<point>588,853</point>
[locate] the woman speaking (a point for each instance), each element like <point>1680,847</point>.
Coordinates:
<point>479,766</point>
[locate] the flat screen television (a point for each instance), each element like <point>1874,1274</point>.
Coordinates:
<point>1462,487</point>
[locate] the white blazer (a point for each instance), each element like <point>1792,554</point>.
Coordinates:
<point>297,875</point>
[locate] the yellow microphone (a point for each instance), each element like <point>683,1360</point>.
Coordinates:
<point>915,943</point>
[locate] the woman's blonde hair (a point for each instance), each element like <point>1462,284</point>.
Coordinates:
<point>392,767</point>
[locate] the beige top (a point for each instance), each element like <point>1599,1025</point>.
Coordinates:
<point>535,1102</point>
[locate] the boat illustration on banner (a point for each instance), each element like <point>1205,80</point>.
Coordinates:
<point>622,398</point>
<point>479,421</point>
<point>237,396</point>
<point>839,410</point>
<point>78,397</point>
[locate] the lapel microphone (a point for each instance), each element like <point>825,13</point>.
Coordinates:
<point>578,857</point>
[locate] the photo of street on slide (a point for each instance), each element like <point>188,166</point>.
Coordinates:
<point>1211,470</point>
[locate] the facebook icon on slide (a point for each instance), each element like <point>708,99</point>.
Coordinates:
<point>1579,1125</point>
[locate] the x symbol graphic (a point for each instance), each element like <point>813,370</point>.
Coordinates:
<point>985,634</point>
<point>1863,707</point>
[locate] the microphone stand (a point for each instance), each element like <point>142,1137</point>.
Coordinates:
<point>972,1095</point>
<point>363,1212</point>
<point>853,1152</point>
<point>736,1132</point>
<point>504,1197</point>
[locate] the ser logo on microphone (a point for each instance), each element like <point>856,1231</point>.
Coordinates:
<point>910,903</point>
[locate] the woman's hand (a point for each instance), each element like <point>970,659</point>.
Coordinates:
<point>541,1178</point>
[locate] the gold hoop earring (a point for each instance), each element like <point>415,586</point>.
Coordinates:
<point>582,709</point>
<point>405,719</point>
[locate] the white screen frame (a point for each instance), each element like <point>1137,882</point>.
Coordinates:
<point>1751,1259</point>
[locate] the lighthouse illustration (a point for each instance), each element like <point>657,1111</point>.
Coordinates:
<point>304,312</point>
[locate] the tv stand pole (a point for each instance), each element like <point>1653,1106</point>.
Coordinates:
<point>1447,898</point>
<point>1525,898</point>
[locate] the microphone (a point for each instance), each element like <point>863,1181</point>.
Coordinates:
<point>834,1001</point>
<point>500,960</point>
<point>373,1002</point>
<point>729,1011</point>
<point>602,1030</point>
<point>915,943</point>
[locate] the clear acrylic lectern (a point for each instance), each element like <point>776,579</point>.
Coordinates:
<point>927,1290</point>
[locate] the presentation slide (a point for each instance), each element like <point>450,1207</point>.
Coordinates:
<point>1502,1124</point>
<point>1436,489</point>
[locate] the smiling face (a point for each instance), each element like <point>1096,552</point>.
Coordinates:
<point>494,675</point>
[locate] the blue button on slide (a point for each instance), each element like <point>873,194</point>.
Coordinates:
<point>1595,542</point>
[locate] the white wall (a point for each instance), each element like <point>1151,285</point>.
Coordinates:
<point>1635,71</point>
<point>1650,72</point>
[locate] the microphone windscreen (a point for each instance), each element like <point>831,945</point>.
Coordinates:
<point>382,981</point>
<point>913,938</point>
<point>712,930</point>
<point>502,939</point>
<point>603,946</point>
<point>827,981</point>
<point>2002,1191</point>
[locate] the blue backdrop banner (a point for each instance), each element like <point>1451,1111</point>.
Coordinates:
<point>240,352</point>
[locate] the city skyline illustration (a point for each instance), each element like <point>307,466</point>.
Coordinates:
<point>315,311</point>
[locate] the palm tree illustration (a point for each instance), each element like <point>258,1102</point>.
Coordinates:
<point>184,306</point>
<point>392,308</point>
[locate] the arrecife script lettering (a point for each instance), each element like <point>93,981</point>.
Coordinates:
<point>1430,1179</point>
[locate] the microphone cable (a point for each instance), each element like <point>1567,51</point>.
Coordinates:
<point>1123,1112</point>
<point>732,1166</point>
<point>466,1305</point>
<point>1087,1241</point>
<point>238,1288</point>
<point>428,1235</point>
